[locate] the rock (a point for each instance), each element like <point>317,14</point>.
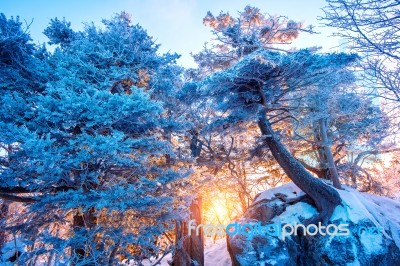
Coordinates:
<point>364,230</point>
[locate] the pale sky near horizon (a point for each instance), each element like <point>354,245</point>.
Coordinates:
<point>175,24</point>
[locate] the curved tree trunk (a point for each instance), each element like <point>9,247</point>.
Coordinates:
<point>325,197</point>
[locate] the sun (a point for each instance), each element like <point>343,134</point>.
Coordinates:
<point>216,211</point>
<point>220,211</point>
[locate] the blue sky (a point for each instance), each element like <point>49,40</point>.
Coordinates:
<point>175,24</point>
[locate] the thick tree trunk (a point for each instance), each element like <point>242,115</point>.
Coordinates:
<point>181,255</point>
<point>325,197</point>
<point>333,173</point>
<point>190,248</point>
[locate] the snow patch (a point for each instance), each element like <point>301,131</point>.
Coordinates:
<point>373,243</point>
<point>290,190</point>
<point>293,212</point>
<point>382,212</point>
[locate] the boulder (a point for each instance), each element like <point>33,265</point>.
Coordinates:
<point>364,230</point>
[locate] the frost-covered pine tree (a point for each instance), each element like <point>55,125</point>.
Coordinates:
<point>21,80</point>
<point>89,142</point>
<point>251,84</point>
<point>254,90</point>
<point>239,36</point>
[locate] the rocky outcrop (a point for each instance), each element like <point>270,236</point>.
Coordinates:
<point>363,230</point>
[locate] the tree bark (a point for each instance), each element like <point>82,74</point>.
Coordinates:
<point>322,163</point>
<point>181,255</point>
<point>325,197</point>
<point>333,173</point>
<point>190,248</point>
<point>320,172</point>
<point>3,217</point>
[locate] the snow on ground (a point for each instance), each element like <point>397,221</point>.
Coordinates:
<point>163,262</point>
<point>217,254</point>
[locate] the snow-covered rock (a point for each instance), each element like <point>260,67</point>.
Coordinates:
<point>364,230</point>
